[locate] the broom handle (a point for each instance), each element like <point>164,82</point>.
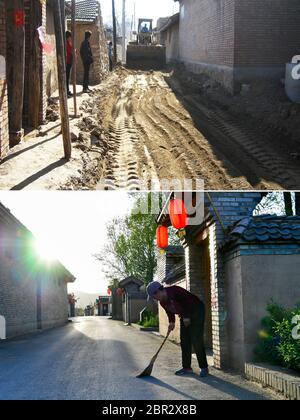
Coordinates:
<point>154,357</point>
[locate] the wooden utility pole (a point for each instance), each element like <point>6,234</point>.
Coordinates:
<point>62,79</point>
<point>18,72</point>
<point>74,68</point>
<point>63,22</point>
<point>124,32</point>
<point>114,31</point>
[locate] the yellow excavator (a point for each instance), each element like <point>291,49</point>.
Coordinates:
<point>145,53</point>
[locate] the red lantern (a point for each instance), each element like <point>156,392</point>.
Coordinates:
<point>178,214</point>
<point>108,292</point>
<point>162,237</point>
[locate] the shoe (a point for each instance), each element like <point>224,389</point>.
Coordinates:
<point>183,372</point>
<point>204,373</point>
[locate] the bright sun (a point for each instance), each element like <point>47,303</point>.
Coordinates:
<point>46,250</point>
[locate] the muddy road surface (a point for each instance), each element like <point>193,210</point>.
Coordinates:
<point>155,131</point>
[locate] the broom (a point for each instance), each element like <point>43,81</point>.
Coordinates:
<point>149,368</point>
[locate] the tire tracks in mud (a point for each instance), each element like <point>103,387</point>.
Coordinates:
<point>158,133</point>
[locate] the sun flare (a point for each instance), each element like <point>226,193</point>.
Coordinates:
<point>46,250</point>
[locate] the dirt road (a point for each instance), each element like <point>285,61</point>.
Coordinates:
<point>155,131</point>
<point>138,129</point>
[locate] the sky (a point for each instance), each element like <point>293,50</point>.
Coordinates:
<point>151,9</point>
<point>71,227</point>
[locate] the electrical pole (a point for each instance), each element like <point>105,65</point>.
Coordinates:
<point>114,31</point>
<point>124,32</point>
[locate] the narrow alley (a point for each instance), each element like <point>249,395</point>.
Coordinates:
<point>96,358</point>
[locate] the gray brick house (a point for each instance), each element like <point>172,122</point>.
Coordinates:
<point>236,41</point>
<point>236,263</point>
<point>33,294</point>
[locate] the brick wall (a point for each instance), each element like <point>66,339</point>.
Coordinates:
<point>231,208</point>
<point>206,38</point>
<point>25,281</point>
<point>54,302</point>
<point>236,41</point>
<point>267,36</point>
<point>171,42</point>
<point>4,130</point>
<point>18,302</point>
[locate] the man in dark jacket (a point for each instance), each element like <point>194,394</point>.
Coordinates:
<point>176,300</point>
<point>87,60</point>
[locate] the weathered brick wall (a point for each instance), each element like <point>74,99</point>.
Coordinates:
<point>267,34</point>
<point>24,278</point>
<point>206,38</point>
<point>255,38</point>
<point>171,42</point>
<point>4,130</point>
<point>231,207</point>
<point>54,298</point>
<point>18,297</point>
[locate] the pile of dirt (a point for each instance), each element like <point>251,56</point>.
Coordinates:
<point>52,112</point>
<point>265,102</point>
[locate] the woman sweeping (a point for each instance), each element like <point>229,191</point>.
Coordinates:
<point>176,300</point>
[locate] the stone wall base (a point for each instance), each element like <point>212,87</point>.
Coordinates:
<point>279,379</point>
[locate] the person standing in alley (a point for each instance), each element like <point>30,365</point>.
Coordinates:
<point>87,60</point>
<point>176,300</point>
<point>69,60</point>
<point>110,55</point>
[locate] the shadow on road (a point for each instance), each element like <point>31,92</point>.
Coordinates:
<point>158,382</point>
<point>229,388</point>
<point>39,174</point>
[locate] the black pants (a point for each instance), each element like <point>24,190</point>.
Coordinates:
<point>194,336</point>
<point>86,77</point>
<point>69,67</point>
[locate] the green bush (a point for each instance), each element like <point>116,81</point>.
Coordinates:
<point>276,343</point>
<point>150,320</point>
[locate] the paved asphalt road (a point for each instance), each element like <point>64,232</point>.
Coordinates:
<point>97,358</point>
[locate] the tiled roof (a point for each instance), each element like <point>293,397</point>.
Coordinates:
<point>176,273</point>
<point>267,228</point>
<point>175,250</point>
<point>170,22</point>
<point>86,11</point>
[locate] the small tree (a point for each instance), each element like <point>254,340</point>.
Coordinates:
<point>130,249</point>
